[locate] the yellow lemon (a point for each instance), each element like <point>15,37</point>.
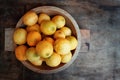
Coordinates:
<point>44,49</point>
<point>33,28</point>
<point>37,63</point>
<point>19,36</point>
<point>62,46</point>
<point>73,42</point>
<point>20,52</point>
<point>59,34</point>
<point>49,39</point>
<point>43,17</point>
<point>59,21</point>
<point>67,31</point>
<point>54,60</point>
<point>32,55</point>
<point>66,58</point>
<point>48,27</point>
<point>30,18</point>
<point>33,38</point>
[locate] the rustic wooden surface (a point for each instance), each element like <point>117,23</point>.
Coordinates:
<point>102,62</point>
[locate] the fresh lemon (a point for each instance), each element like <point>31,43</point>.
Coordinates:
<point>66,58</point>
<point>33,28</point>
<point>62,46</point>
<point>49,39</point>
<point>48,27</point>
<point>19,36</point>
<point>33,38</point>
<point>53,60</point>
<point>67,31</point>
<point>59,21</point>
<point>59,34</point>
<point>30,18</point>
<point>44,49</point>
<point>32,55</point>
<point>43,17</point>
<point>20,52</point>
<point>73,42</point>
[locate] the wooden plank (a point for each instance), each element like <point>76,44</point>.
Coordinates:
<point>10,68</point>
<point>9,16</point>
<point>9,44</point>
<point>85,46</point>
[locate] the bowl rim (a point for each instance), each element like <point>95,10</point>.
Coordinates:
<point>26,64</point>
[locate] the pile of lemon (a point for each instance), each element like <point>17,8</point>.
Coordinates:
<point>44,39</point>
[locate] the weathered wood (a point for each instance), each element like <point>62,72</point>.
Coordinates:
<point>9,44</point>
<point>85,36</point>
<point>10,68</point>
<point>9,16</point>
<point>100,63</point>
<point>64,2</point>
<point>106,2</point>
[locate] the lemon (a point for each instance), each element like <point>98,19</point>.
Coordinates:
<point>44,49</point>
<point>19,36</point>
<point>62,46</point>
<point>59,34</point>
<point>33,38</point>
<point>48,27</point>
<point>33,28</point>
<point>59,21</point>
<point>20,52</point>
<point>73,42</point>
<point>67,31</point>
<point>49,39</point>
<point>53,60</point>
<point>30,18</point>
<point>37,62</point>
<point>43,17</point>
<point>32,55</point>
<point>66,58</point>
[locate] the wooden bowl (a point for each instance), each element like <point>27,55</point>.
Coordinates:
<point>70,22</point>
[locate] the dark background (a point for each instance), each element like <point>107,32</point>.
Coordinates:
<point>101,17</point>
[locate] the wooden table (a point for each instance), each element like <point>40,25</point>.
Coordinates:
<point>102,62</point>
